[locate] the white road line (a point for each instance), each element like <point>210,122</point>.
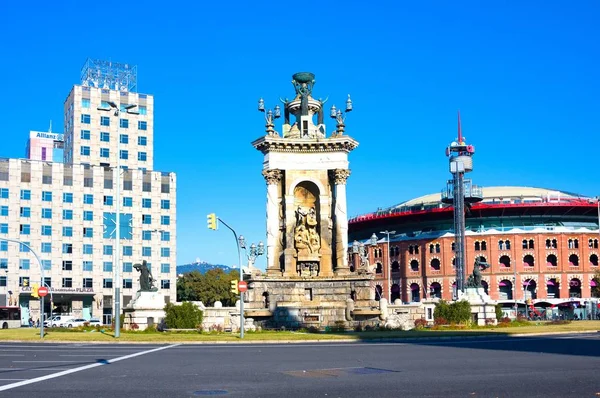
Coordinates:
<point>42,361</point>
<point>88,355</point>
<point>85,367</point>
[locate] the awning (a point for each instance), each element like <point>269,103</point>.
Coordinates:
<point>502,283</point>
<point>593,283</point>
<point>414,286</point>
<point>550,283</point>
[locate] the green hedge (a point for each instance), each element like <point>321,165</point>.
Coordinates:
<point>456,312</point>
<point>184,316</point>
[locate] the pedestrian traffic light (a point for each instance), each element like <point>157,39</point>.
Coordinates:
<point>234,287</point>
<point>212,221</point>
<point>34,290</point>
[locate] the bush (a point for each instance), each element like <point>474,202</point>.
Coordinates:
<point>184,316</point>
<point>420,323</point>
<point>499,313</point>
<point>458,312</point>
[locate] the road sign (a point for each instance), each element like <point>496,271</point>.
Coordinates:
<point>242,286</point>
<point>42,291</point>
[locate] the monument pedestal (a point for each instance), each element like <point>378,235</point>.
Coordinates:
<point>483,309</point>
<point>146,309</point>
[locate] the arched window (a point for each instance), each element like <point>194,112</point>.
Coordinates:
<point>531,244</point>
<point>477,246</point>
<point>395,292</point>
<point>431,248</point>
<point>528,261</point>
<point>574,260</point>
<point>529,289</point>
<point>378,292</point>
<point>575,288</point>
<point>548,243</point>
<point>483,245</point>
<point>379,268</point>
<point>505,289</point>
<point>554,243</point>
<point>437,248</point>
<point>435,290</point>
<point>414,265</point>
<point>525,244</point>
<point>415,293</point>
<point>435,264</point>
<point>453,246</point>
<point>505,261</point>
<point>411,250</point>
<point>553,287</point>
<point>507,244</point>
<point>594,260</point>
<point>500,245</point>
<point>266,301</point>
<point>551,260</point>
<point>395,266</point>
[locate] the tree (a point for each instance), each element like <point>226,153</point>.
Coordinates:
<point>596,289</point>
<point>213,286</point>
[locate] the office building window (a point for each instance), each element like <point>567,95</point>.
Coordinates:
<point>146,235</point>
<point>25,229</point>
<point>127,201</point>
<point>124,123</point>
<point>3,246</point>
<point>108,200</point>
<point>47,213</point>
<point>104,121</point>
<point>165,268</point>
<point>107,266</point>
<point>3,263</point>
<point>67,282</point>
<point>47,265</point>
<point>67,231</point>
<point>67,265</point>
<point>3,281</point>
<point>124,154</point>
<point>46,196</point>
<point>88,215</point>
<point>46,230</point>
<point>3,193</point>
<point>165,236</point>
<point>85,134</point>
<point>46,247</point>
<point>127,250</point>
<point>85,118</point>
<point>67,214</point>
<point>142,156</point>
<point>104,152</point>
<point>85,151</point>
<point>165,204</point>
<point>23,248</point>
<point>25,194</point>
<point>88,199</point>
<point>124,139</point>
<point>127,284</point>
<point>67,248</point>
<point>165,252</point>
<point>3,228</point>
<point>142,110</point>
<point>104,136</point>
<point>127,267</point>
<point>142,125</point>
<point>146,251</point>
<point>67,197</point>
<point>3,210</point>
<point>107,283</point>
<point>25,212</point>
<point>88,266</point>
<point>165,284</point>
<point>85,102</point>
<point>88,283</point>
<point>165,220</point>
<point>146,219</point>
<point>146,203</point>
<point>107,250</point>
<point>88,232</point>
<point>24,263</point>
<point>88,248</point>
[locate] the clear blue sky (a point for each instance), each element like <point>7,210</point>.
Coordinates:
<point>524,75</point>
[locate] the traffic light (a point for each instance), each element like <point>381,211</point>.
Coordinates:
<point>34,290</point>
<point>234,287</point>
<point>211,219</point>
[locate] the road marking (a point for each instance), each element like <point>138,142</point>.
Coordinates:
<point>88,355</point>
<point>79,369</point>
<point>11,379</point>
<point>42,361</point>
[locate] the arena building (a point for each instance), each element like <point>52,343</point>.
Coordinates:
<point>542,246</point>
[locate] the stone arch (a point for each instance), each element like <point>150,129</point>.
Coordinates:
<point>312,180</point>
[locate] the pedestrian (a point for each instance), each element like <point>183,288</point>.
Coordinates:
<point>30,322</point>
<point>37,323</point>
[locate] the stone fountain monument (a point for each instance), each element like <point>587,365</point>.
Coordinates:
<point>308,280</point>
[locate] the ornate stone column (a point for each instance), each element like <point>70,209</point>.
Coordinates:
<point>341,221</point>
<point>273,179</point>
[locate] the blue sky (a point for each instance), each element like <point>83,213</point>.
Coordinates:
<point>523,74</point>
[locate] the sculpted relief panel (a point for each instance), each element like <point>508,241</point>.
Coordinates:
<point>307,240</point>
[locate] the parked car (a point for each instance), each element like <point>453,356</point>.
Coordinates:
<point>57,320</point>
<point>72,323</point>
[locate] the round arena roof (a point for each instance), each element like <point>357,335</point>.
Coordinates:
<point>498,195</point>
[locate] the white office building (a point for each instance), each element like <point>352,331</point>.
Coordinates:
<point>66,212</point>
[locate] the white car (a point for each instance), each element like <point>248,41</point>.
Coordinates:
<point>72,323</point>
<point>57,320</point>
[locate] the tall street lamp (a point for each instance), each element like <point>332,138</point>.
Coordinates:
<point>251,253</point>
<point>117,269</point>
<point>389,264</point>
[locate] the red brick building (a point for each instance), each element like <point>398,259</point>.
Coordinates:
<point>547,240</point>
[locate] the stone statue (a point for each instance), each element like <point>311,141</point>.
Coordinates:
<point>146,279</point>
<point>475,279</point>
<point>306,237</point>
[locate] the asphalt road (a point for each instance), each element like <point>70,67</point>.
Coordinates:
<point>540,366</point>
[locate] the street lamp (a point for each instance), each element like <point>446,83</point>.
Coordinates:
<point>270,115</point>
<point>117,268</point>
<point>340,117</point>
<point>389,264</point>
<point>251,254</point>
<point>42,280</point>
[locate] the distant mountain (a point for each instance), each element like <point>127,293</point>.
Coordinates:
<point>202,267</point>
